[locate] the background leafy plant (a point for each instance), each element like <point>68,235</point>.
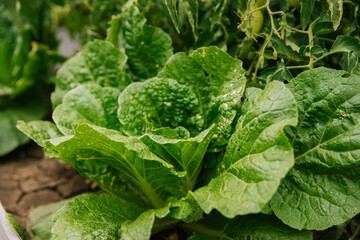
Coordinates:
<point>27,41</point>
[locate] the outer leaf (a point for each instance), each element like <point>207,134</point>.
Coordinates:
<point>114,183</point>
<point>40,220</point>
<point>254,227</point>
<point>90,216</point>
<point>94,147</point>
<point>336,12</point>
<point>87,103</point>
<point>140,229</point>
<point>306,10</point>
<point>185,209</point>
<point>148,47</point>
<point>323,188</point>
<point>7,226</point>
<point>16,226</point>
<point>109,179</point>
<point>187,154</point>
<point>257,157</point>
<point>99,62</point>
<point>160,102</point>
<point>40,132</point>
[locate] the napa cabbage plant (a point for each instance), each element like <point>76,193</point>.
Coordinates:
<point>183,142</point>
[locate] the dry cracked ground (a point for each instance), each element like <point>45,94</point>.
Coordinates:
<point>29,179</point>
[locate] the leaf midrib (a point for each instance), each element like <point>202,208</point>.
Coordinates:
<point>319,144</point>
<point>143,184</point>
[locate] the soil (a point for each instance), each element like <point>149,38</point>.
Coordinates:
<point>29,179</point>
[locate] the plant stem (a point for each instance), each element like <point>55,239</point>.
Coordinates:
<point>203,229</point>
<point>187,184</point>
<point>357,230</point>
<point>155,200</point>
<point>311,41</point>
<point>328,54</point>
<point>267,40</point>
<point>299,31</point>
<point>158,227</point>
<point>300,66</point>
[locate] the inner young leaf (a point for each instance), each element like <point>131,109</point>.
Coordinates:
<point>156,103</point>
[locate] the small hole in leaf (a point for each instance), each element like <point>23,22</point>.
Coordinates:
<point>331,89</point>
<point>286,81</point>
<point>346,75</point>
<point>238,149</point>
<point>206,74</point>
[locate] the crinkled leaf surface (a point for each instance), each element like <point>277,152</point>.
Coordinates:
<point>189,72</point>
<point>254,227</point>
<point>218,93</point>
<point>227,84</point>
<point>323,188</point>
<point>88,103</point>
<point>99,62</point>
<point>96,147</point>
<point>159,102</point>
<point>91,216</point>
<point>148,47</point>
<point>220,68</point>
<point>212,160</point>
<point>257,157</point>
